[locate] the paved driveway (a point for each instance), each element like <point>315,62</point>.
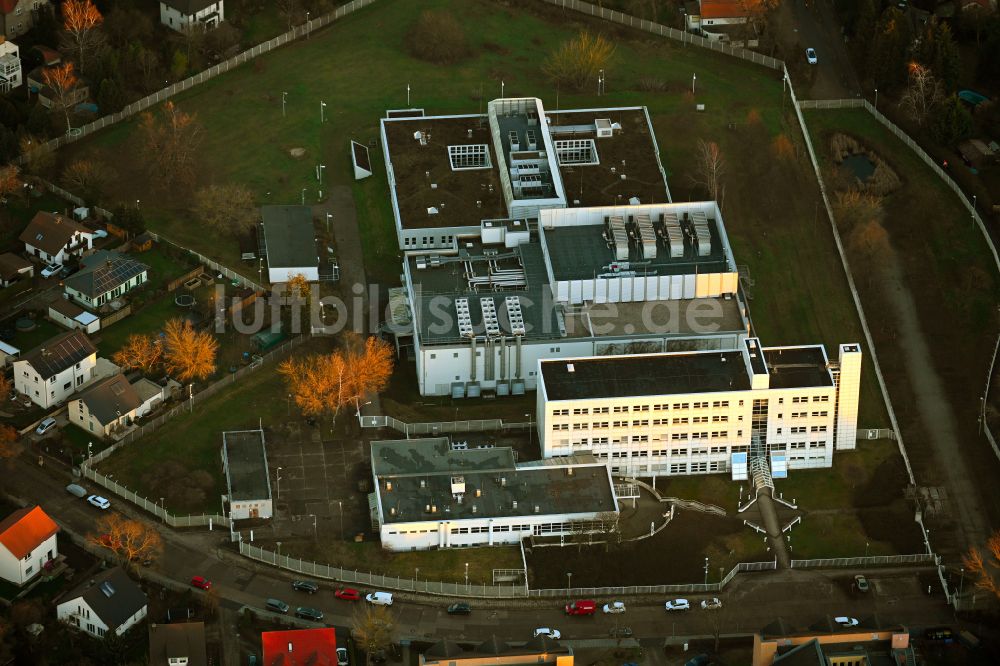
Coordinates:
<point>798,26</point>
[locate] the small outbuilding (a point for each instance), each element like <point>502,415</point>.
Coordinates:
<point>289,243</point>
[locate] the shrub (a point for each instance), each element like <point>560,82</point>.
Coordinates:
<point>578,61</point>
<point>438,37</point>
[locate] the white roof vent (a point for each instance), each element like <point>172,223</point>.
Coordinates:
<point>570,367</point>
<point>432,211</point>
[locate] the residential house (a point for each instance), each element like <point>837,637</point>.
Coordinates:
<point>54,238</point>
<point>51,372</point>
<point>14,267</point>
<point>113,402</point>
<point>300,646</point>
<point>181,15</point>
<point>67,313</point>
<point>181,644</point>
<point>10,66</point>
<point>103,277</point>
<point>107,602</point>
<point>18,16</point>
<point>27,543</point>
<point>708,13</point>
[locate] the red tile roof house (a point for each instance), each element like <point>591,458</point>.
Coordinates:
<point>18,16</point>
<point>715,12</point>
<point>300,646</point>
<point>53,238</point>
<point>27,543</point>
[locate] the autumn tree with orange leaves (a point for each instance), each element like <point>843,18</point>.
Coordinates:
<point>188,354</point>
<point>322,384</point>
<point>140,352</point>
<point>62,80</point>
<point>131,541</point>
<point>985,568</point>
<point>81,22</point>
<point>11,183</point>
<point>171,142</point>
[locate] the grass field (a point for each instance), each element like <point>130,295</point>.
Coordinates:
<point>193,442</point>
<point>44,329</point>
<point>949,270</point>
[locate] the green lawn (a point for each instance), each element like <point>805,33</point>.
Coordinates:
<point>836,535</point>
<point>447,565</point>
<point>45,329</point>
<point>165,265</point>
<point>161,463</point>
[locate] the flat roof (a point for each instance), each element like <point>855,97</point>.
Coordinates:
<point>646,374</point>
<point>703,316</point>
<point>797,367</point>
<point>435,290</point>
<point>631,151</point>
<point>416,167</point>
<point>246,465</point>
<point>424,489</point>
<point>581,253</point>
<point>289,237</point>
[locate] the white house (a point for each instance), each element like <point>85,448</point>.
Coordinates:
<point>51,372</point>
<point>10,66</point>
<point>431,495</point>
<point>180,15</point>
<point>108,601</point>
<point>53,238</point>
<point>289,243</point>
<point>703,14</point>
<point>27,543</point>
<point>111,403</point>
<point>18,16</point>
<point>72,316</point>
<point>103,277</point>
<point>702,412</point>
<point>248,485</point>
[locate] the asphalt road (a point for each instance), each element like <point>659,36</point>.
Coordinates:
<point>801,598</point>
<point>801,25</point>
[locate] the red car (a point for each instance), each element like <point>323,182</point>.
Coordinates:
<point>201,583</point>
<point>347,594</point>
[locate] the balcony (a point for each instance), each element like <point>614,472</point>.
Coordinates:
<point>10,65</point>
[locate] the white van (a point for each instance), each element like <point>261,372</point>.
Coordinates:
<point>379,598</point>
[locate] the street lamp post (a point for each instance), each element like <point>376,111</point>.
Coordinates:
<point>277,494</point>
<point>322,112</point>
<point>315,531</point>
<point>164,509</point>
<point>501,88</point>
<point>319,172</point>
<point>303,196</point>
<point>866,549</point>
<point>467,574</point>
<point>340,504</point>
<point>529,427</point>
<point>706,571</point>
<point>284,98</point>
<point>876,99</point>
<point>407,94</point>
<point>972,215</point>
<point>190,397</point>
<point>569,580</point>
<point>694,77</point>
<point>288,404</point>
<point>308,25</point>
<point>279,551</point>
<point>961,583</point>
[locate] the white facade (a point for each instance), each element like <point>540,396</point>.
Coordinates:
<point>208,14</point>
<point>285,273</point>
<point>79,614</point>
<point>47,393</point>
<point>78,244</point>
<point>85,321</point>
<point>20,571</point>
<point>97,300</point>
<point>10,66</point>
<point>652,433</point>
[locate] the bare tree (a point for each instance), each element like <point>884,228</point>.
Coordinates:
<point>372,628</point>
<point>923,93</point>
<point>171,141</point>
<point>89,179</point>
<point>81,21</point>
<point>578,61</point>
<point>62,81</point>
<point>228,208</point>
<point>289,9</point>
<point>710,168</point>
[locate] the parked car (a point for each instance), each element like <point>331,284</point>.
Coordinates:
<point>100,233</point>
<point>66,271</point>
<point>698,660</point>
<point>460,608</point>
<point>545,631</point>
<point>305,586</point>
<point>845,621</point>
<point>276,605</point>
<point>307,613</point>
<point>45,426</point>
<point>51,270</point>
<point>678,605</point>
<point>811,56</point>
<point>342,659</point>
<point>99,502</point>
<point>379,598</point>
<point>861,582</point>
<point>201,583</point>
<point>614,607</point>
<point>347,594</point>
<point>711,604</point>
<point>584,607</point>
<point>620,632</point>
<point>74,489</point>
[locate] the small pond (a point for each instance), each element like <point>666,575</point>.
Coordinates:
<point>859,165</point>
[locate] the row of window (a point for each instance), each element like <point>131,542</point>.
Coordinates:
<point>704,404</point>
<point>426,240</point>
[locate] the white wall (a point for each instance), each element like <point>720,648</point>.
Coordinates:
<point>56,389</point>
<point>848,392</point>
<point>79,614</point>
<point>61,256</point>
<point>276,275</point>
<point>172,18</point>
<point>108,296</point>
<point>20,571</point>
<point>244,509</point>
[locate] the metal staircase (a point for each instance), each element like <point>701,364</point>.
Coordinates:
<point>759,465</point>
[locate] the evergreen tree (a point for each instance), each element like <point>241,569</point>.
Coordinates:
<point>110,97</point>
<point>888,50</point>
<point>952,122</point>
<point>864,27</point>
